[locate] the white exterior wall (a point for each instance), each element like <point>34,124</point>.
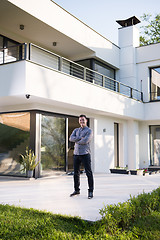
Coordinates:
<point>133,144</point>
<point>12,80</point>
<point>104,143</point>
<point>144,145</point>
<point>147,57</point>
<point>51,85</point>
<point>128,40</point>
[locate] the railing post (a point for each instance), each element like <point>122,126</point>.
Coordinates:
<point>84,74</point>
<point>103,81</point>
<point>29,52</point>
<point>60,64</point>
<point>142,96</point>
<point>25,51</point>
<point>131,96</point>
<point>119,87</point>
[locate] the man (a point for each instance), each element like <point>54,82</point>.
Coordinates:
<point>82,137</point>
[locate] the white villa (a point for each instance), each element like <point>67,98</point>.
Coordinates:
<point>53,68</point>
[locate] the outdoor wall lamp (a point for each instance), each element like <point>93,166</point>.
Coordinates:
<point>54,44</point>
<point>21,26</point>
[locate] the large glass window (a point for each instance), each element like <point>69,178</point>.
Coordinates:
<point>155,84</point>
<point>14,138</point>
<point>98,67</point>
<point>53,140</point>
<point>104,69</point>
<point>1,49</point>
<point>10,50</point>
<point>88,63</point>
<point>155,145</point>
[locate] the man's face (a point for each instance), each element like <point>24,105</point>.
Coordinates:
<point>83,122</point>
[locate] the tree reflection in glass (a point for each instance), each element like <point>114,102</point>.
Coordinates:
<point>52,144</point>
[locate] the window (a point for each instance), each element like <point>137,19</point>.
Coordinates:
<point>155,145</point>
<point>155,84</point>
<point>53,140</point>
<point>88,63</point>
<point>104,69</point>
<point>102,74</point>
<point>10,50</point>
<point>98,67</point>
<point>14,138</point>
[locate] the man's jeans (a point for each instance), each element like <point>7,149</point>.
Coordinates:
<point>86,160</point>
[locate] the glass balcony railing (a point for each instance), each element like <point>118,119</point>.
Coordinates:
<point>51,60</point>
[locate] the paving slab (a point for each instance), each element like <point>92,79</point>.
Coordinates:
<point>52,194</point>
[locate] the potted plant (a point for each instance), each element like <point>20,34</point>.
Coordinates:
<point>119,170</point>
<point>137,172</point>
<point>145,172</point>
<point>28,162</point>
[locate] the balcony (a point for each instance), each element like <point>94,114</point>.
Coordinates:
<point>51,60</point>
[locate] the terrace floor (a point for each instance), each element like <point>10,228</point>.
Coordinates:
<point>52,193</point>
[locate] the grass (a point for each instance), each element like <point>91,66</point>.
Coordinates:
<point>138,218</point>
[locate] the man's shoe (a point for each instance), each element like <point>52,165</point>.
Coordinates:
<point>90,195</point>
<point>74,193</point>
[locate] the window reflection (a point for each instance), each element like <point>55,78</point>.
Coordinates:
<point>104,69</point>
<point>52,144</point>
<point>155,83</point>
<point>10,50</point>
<point>155,145</point>
<point>14,137</point>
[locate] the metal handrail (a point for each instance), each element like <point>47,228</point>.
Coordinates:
<point>72,68</point>
<point>81,66</point>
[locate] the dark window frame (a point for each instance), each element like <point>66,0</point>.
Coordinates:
<point>151,157</point>
<point>93,62</point>
<point>15,43</point>
<point>150,84</point>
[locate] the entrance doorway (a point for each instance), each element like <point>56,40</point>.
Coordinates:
<point>52,145</point>
<point>72,124</point>
<point>116,145</point>
<point>56,149</point>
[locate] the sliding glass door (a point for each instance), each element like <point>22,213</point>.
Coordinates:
<point>53,140</point>
<point>155,145</point>
<point>45,133</point>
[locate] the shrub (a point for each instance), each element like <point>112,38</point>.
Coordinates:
<point>123,215</point>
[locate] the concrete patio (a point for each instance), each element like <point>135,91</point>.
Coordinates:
<point>52,194</point>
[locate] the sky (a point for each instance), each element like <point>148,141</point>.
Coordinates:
<point>101,15</point>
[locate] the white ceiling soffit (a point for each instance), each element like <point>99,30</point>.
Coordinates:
<point>38,32</point>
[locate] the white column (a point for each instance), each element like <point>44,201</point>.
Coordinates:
<point>144,145</point>
<point>133,144</point>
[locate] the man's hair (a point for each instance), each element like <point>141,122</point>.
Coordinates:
<point>82,115</point>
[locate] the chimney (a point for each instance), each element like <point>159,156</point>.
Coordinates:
<point>128,32</point>
<point>128,22</point>
<point>128,40</point>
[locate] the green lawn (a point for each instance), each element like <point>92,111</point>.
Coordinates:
<point>138,218</point>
